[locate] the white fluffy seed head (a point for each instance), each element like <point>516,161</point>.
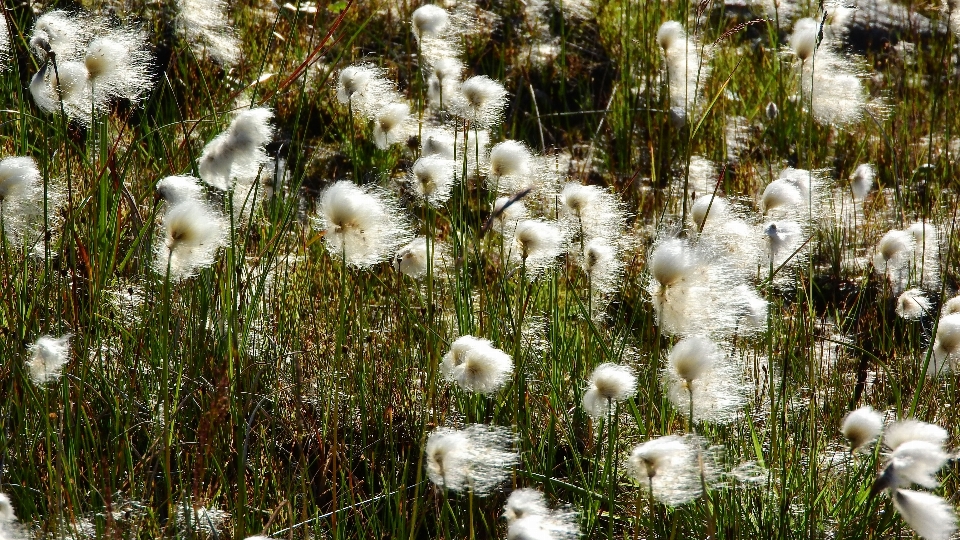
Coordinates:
<point>536,244</point>
<point>432,178</point>
<point>70,82</point>
<point>510,158</point>
<point>912,304</point>
<point>429,20</point>
<point>118,64</point>
<point>507,213</point>
<point>861,181</point>
<point>668,465</point>
<point>915,462</point>
<point>363,225</point>
<point>192,233</point>
<point>6,510</point>
<point>18,175</point>
<point>175,189</point>
<point>948,333</point>
<point>714,208</point>
<point>861,427</point>
<point>577,198</point>
<point>476,457</point>
<point>391,125</point>
<point>524,502</point>
<point>691,357</point>
<point>412,260</point>
<point>444,82</point>
<point>481,100</point>
<point>237,154</point>
<point>781,195</point>
<point>61,32</point>
<point>47,357</point>
<point>932,517</point>
<point>671,262</point>
<point>894,244</point>
<point>951,306</point>
<point>205,25</point>
<point>908,430</point>
<point>609,384</point>
<point>803,41</point>
<point>475,365</point>
<point>670,34</point>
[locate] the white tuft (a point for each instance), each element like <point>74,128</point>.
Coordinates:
<point>699,373</point>
<point>861,427</point>
<point>912,304</point>
<point>908,430</point>
<point>392,125</point>
<point>175,189</point>
<point>363,225</point>
<point>237,154</point>
<point>204,24</point>
<point>432,178</point>
<point>481,100</point>
<point>861,181</point>
<point>668,466</point>
<point>932,517</point>
<point>475,365</point>
<point>609,384</point>
<point>475,458</point>
<point>192,234</point>
<point>48,355</point>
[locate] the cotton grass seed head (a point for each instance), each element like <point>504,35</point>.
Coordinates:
<point>192,233</point>
<point>912,304</point>
<point>429,20</point>
<point>175,189</point>
<point>670,34</point>
<point>699,373</point>
<point>669,467</point>
<point>691,357</point>
<point>536,245</point>
<point>861,181</point>
<point>412,259</point>
<point>932,517</point>
<point>914,462</point>
<point>475,365</point>
<point>529,518</point>
<point>671,262</point>
<point>364,225</point>
<point>364,89</point>
<point>118,65</point>
<point>205,26</point>
<point>609,384</point>
<point>524,502</point>
<point>477,457</point>
<point>803,40</point>
<point>432,178</point>
<point>861,427</point>
<point>910,429</point>
<point>47,357</point>
<point>510,158</point>
<point>391,125</point>
<point>237,154</point>
<point>481,101</point>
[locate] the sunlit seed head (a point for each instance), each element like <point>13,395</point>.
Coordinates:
<point>510,158</point>
<point>908,430</point>
<point>912,304</point>
<point>894,244</point>
<point>670,34</point>
<point>364,226</point>
<point>6,510</point>
<point>47,357</point>
<point>475,365</point>
<point>669,467</point>
<point>577,198</point>
<point>237,154</point>
<point>932,517</point>
<point>948,333</point>
<point>18,175</point>
<point>707,207</point>
<point>803,41</point>
<point>175,189</point>
<point>671,262</point>
<point>537,244</point>
<point>951,306</point>
<point>205,26</point>
<point>432,178</point>
<point>429,19</point>
<point>608,385</point>
<point>524,502</point>
<point>390,125</point>
<point>861,181</point>
<point>861,427</point>
<point>411,260</point>
<point>781,194</point>
<point>692,357</point>
<point>477,457</point>
<point>482,100</point>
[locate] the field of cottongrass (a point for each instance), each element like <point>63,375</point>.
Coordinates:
<point>527,269</point>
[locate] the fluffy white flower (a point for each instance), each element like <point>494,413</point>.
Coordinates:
<point>908,430</point>
<point>192,232</point>
<point>669,466</point>
<point>476,458</point>
<point>429,19</point>
<point>176,189</point>
<point>204,24</point>
<point>912,304</point>
<point>803,40</point>
<point>432,178</point>
<point>932,517</point>
<point>48,355</point>
<point>475,365</point>
<point>594,211</point>
<point>237,154</point>
<point>861,427</point>
<point>481,101</point>
<point>363,225</point>
<point>536,244</point>
<point>699,375</point>
<point>118,65</point>
<point>391,125</point>
<point>609,384</point>
<point>364,88</point>
<point>861,181</point>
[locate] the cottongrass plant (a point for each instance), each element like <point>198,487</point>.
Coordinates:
<point>191,235</point>
<point>687,67</point>
<point>22,200</point>
<point>10,528</point>
<point>861,181</point>
<point>237,154</point>
<point>669,467</point>
<point>910,257</point>
<point>480,101</point>
<point>529,518</point>
<point>912,304</point>
<point>862,427</point>
<point>475,365</point>
<point>363,225</point>
<point>593,212</point>
<point>363,88</point>
<point>702,381</point>
<point>945,356</point>
<point>205,26</point>
<point>536,246</point>
<point>179,188</point>
<point>47,357</point>
<point>916,454</point>
<point>476,458</point>
<point>432,178</point>
<point>412,260</point>
<point>608,385</point>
